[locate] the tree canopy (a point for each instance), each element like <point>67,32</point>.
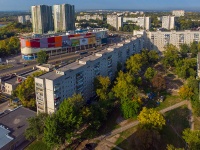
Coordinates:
<point>151,119</point>
<point>42,57</point>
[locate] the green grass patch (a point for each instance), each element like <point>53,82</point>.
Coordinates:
<point>111,122</point>
<point>2,67</point>
<point>169,101</point>
<point>125,140</point>
<point>177,121</point>
<point>37,145</point>
<point>196,123</point>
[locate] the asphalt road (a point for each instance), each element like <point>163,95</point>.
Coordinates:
<point>19,66</point>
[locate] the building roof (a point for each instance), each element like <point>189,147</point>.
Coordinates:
<point>4,137</point>
<point>50,75</point>
<point>16,121</point>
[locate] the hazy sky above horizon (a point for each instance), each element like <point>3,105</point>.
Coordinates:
<point>7,5</point>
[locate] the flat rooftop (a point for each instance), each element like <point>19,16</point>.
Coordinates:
<point>16,121</point>
<point>74,65</point>
<point>4,137</point>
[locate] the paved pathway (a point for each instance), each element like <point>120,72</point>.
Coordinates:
<point>135,123</point>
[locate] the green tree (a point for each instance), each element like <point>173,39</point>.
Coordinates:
<point>149,74</point>
<point>130,109</point>
<point>26,91</point>
<point>171,147</point>
<point>170,56</point>
<point>124,88</point>
<point>192,138</point>
<point>101,85</point>
<point>153,56</point>
<point>134,63</point>
<point>184,49</point>
<point>64,124</point>
<point>52,132</point>
<point>151,119</point>
<point>42,57</point>
<point>194,49</point>
<point>36,127</point>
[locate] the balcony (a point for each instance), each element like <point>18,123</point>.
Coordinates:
<point>40,108</point>
<point>79,80</point>
<point>39,90</point>
<point>38,94</point>
<point>56,88</point>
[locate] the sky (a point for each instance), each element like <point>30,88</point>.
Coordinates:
<point>10,5</point>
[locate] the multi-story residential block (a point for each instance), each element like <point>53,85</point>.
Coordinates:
<point>159,39</point>
<point>144,22</point>
<point>42,19</point>
<point>21,19</point>
<point>53,87</point>
<point>178,13</point>
<point>168,22</point>
<point>28,18</point>
<point>115,21</point>
<point>126,19</point>
<point>64,17</point>
<point>88,17</point>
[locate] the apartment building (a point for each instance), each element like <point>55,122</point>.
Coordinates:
<point>126,19</point>
<point>159,39</point>
<point>115,21</point>
<point>88,17</point>
<point>21,19</point>
<point>178,13</point>
<point>42,19</point>
<point>28,18</point>
<point>64,17</point>
<point>144,22</point>
<point>168,22</point>
<point>53,87</point>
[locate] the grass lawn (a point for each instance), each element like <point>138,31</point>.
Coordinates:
<point>37,145</point>
<point>168,101</point>
<point>126,138</point>
<point>176,122</point>
<point>111,123</point>
<point>2,67</point>
<point>196,123</point>
<point>171,133</point>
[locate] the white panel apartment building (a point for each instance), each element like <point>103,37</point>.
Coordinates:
<point>53,87</point>
<point>144,22</point>
<point>115,21</point>
<point>21,19</point>
<point>178,13</point>
<point>168,22</point>
<point>158,40</point>
<point>88,17</point>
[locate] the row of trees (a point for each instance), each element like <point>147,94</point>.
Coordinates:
<point>178,60</point>
<point>129,28</point>
<point>9,46</point>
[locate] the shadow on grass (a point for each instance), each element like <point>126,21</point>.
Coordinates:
<point>177,121</point>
